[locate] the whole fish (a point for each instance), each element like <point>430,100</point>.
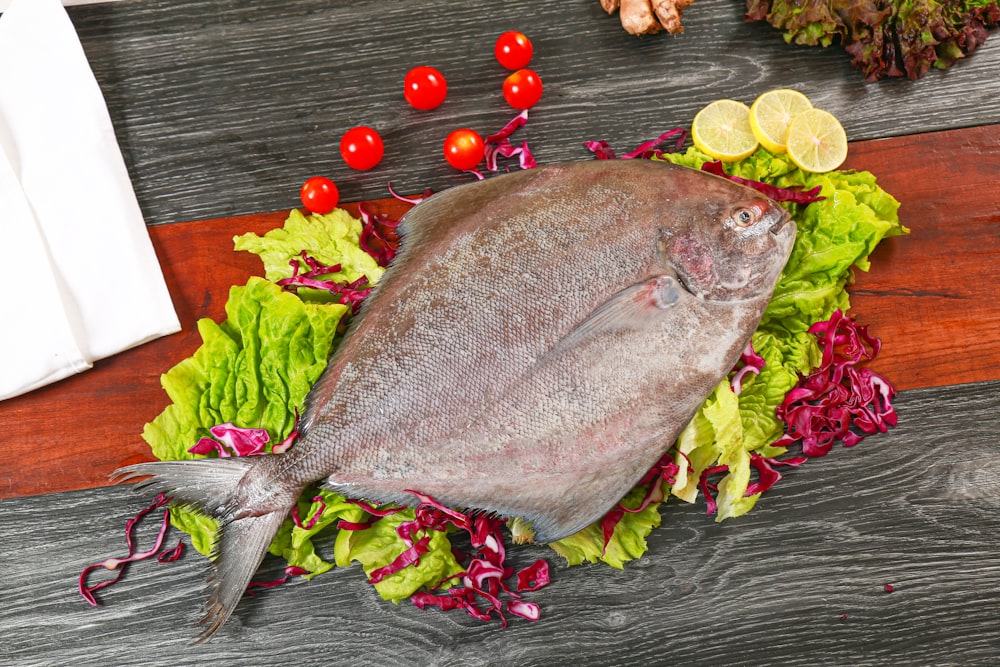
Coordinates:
<point>535,348</point>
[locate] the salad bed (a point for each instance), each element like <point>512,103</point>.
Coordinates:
<point>797,391</point>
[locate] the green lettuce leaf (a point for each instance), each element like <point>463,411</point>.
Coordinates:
<point>379,545</point>
<point>627,542</point>
<point>253,370</point>
<point>331,239</point>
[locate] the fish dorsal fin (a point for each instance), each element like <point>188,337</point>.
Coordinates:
<point>631,308</point>
<point>435,218</point>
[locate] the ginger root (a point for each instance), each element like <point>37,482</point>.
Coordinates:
<point>648,17</point>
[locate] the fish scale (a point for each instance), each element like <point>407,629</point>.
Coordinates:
<point>535,347</point>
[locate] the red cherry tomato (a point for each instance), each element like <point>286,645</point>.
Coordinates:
<point>513,50</point>
<point>361,148</point>
<point>464,149</point>
<point>425,88</point>
<point>319,194</point>
<point>522,89</point>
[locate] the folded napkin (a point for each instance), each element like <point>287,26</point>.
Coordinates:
<point>79,280</point>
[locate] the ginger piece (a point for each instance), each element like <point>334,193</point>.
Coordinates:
<point>648,17</point>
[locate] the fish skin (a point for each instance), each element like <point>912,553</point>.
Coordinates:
<point>534,349</point>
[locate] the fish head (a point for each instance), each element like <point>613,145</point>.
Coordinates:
<point>734,244</point>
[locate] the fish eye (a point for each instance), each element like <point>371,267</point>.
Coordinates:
<point>744,217</point>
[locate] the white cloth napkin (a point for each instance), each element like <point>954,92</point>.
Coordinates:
<point>79,280</point>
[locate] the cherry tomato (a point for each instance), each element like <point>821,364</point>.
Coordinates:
<point>464,149</point>
<point>361,148</point>
<point>522,89</point>
<point>319,194</point>
<point>513,50</point>
<point>425,88</point>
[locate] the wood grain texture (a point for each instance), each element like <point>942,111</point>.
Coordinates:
<point>798,581</point>
<point>224,107</point>
<point>933,295</point>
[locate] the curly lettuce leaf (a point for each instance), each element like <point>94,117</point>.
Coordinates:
<point>627,542</point>
<point>380,544</point>
<point>897,38</point>
<point>331,239</point>
<point>254,370</point>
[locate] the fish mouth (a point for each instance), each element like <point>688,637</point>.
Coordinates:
<point>780,219</point>
<point>682,279</point>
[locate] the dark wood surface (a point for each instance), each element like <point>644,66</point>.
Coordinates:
<point>916,508</point>
<point>223,108</point>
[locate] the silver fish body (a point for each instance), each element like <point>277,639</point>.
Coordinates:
<point>535,348</point>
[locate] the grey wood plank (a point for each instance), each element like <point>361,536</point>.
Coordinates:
<point>225,107</point>
<point>798,581</point>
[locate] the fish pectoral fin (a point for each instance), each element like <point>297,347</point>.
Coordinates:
<point>632,308</point>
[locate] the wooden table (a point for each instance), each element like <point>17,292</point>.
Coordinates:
<point>223,108</point>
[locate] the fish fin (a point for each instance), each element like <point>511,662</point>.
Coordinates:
<point>241,494</point>
<point>241,546</point>
<point>630,308</point>
<point>202,483</point>
<point>434,218</point>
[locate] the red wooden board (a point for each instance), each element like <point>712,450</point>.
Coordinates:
<point>932,297</point>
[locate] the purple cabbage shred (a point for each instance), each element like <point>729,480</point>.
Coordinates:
<point>750,362</point>
<point>379,237</point>
<point>499,146</point>
<point>482,590</point>
<point>351,294</point>
<point>290,571</point>
<point>118,565</point>
<point>665,471</point>
<point>231,440</point>
<point>795,194</point>
<point>311,521</point>
<point>840,400</point>
<point>644,151</point>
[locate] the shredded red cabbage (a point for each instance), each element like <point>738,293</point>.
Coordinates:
<point>118,565</point>
<point>170,555</point>
<point>483,592</point>
<point>375,511</point>
<point>311,521</point>
<point>534,576</point>
<point>499,146</point>
<point>232,440</point>
<point>750,362</point>
<point>352,293</point>
<point>379,237</point>
<point>409,200</point>
<point>794,194</point>
<point>290,571</point>
<point>644,151</point>
<point>665,471</point>
<point>767,476</point>
<point>840,400</point>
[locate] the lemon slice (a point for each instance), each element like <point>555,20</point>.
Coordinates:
<point>816,141</point>
<point>771,114</point>
<point>722,130</point>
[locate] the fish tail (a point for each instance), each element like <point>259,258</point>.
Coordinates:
<point>241,494</point>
